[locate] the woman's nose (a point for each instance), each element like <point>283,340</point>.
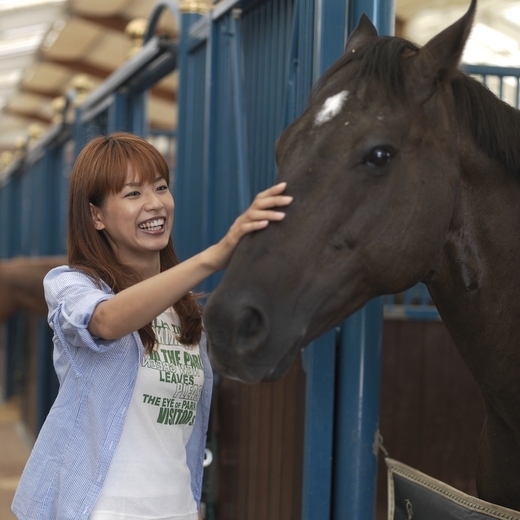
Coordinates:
<point>153,201</point>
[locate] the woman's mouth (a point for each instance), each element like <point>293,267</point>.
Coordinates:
<point>156,224</point>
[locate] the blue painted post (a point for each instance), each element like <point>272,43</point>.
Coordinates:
<point>319,358</point>
<point>186,109</point>
<point>318,361</point>
<point>138,120</point>
<point>357,414</point>
<point>118,115</point>
<point>359,368</point>
<point>244,195</point>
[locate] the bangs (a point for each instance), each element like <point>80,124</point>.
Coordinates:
<point>146,164</point>
<point>116,156</point>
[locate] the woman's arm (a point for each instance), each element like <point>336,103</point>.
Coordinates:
<point>134,307</point>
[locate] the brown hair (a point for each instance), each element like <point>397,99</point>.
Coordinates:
<point>100,170</point>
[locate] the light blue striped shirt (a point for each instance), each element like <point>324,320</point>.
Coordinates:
<point>70,459</point>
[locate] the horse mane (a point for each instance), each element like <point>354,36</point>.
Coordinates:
<point>377,61</point>
<point>494,125</point>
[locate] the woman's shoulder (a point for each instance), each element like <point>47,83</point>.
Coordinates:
<point>64,277</point>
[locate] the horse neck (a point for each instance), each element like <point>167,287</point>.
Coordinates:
<point>476,284</point>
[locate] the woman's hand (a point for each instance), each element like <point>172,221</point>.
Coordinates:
<point>256,217</point>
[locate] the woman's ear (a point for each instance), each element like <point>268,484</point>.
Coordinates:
<point>96,217</point>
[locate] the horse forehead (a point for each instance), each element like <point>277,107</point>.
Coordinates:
<point>331,107</point>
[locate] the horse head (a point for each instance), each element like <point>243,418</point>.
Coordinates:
<point>373,166</point>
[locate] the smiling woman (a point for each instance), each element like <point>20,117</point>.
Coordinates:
<point>126,325</point>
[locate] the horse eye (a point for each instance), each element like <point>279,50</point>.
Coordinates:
<point>379,157</point>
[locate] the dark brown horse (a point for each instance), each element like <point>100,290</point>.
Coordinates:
<point>402,169</point>
<point>21,284</point>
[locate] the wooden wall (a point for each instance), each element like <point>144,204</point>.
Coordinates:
<point>259,432</point>
<point>431,416</point>
<point>431,409</point>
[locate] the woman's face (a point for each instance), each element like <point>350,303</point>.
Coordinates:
<point>138,220</point>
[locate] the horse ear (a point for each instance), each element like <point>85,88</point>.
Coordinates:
<point>363,33</point>
<point>440,57</point>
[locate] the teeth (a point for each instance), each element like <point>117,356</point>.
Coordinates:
<point>152,225</point>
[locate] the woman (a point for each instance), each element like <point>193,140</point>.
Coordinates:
<point>125,437</point>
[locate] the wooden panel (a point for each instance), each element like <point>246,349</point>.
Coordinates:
<point>431,408</point>
<point>259,431</point>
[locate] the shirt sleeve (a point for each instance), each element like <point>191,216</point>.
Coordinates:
<point>72,296</point>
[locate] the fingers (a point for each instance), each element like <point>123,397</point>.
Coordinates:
<point>276,189</point>
<point>272,197</point>
<point>256,214</point>
<point>261,212</point>
<point>248,227</point>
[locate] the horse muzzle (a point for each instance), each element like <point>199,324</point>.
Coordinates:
<point>242,341</point>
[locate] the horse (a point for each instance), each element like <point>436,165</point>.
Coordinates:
<point>21,284</point>
<point>403,169</point>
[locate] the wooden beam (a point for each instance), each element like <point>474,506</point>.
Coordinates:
<point>168,95</point>
<point>31,116</point>
<point>98,72</point>
<point>50,94</point>
<point>117,23</point>
<point>81,67</point>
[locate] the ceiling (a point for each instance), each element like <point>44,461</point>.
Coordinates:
<point>46,44</point>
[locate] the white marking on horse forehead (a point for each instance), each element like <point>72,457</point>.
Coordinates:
<point>331,108</point>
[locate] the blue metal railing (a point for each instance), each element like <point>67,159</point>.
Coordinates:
<point>503,81</point>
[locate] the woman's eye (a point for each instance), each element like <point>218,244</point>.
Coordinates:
<point>132,194</point>
<point>162,188</point>
<point>379,157</point>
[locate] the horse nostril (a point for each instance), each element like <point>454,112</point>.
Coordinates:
<point>253,329</point>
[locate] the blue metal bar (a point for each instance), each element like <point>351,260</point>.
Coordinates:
<point>329,35</point>
<point>118,114</point>
<point>209,141</point>
<point>156,14</point>
<point>289,110</point>
<point>318,361</point>
<point>490,70</point>
<point>357,420</point>
<point>138,120</point>
<point>244,194</point>
<point>190,181</point>
<point>79,133</point>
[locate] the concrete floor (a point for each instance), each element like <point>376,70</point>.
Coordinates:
<point>13,455</point>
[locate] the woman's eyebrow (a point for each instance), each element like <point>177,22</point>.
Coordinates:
<point>137,183</point>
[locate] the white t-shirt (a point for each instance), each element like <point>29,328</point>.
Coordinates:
<point>148,477</point>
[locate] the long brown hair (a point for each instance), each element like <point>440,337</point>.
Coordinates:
<point>100,170</point>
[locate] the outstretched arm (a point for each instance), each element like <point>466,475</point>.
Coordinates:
<point>133,308</point>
